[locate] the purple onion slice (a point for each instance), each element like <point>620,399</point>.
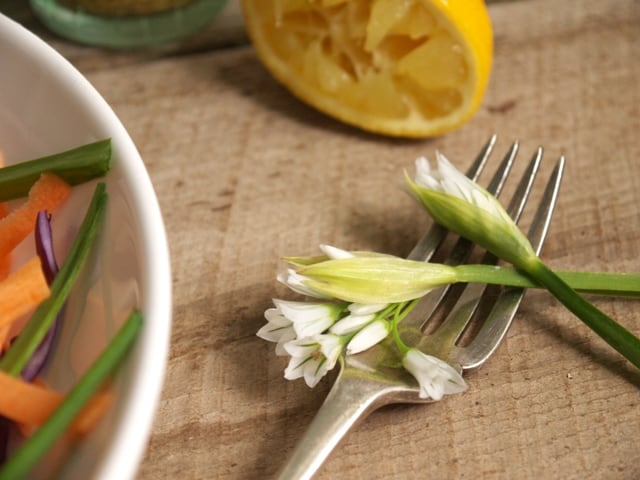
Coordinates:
<point>44,249</point>
<point>44,245</point>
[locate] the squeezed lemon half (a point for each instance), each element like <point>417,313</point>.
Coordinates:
<point>409,68</point>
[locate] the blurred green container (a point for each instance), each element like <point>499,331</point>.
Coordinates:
<point>124,24</point>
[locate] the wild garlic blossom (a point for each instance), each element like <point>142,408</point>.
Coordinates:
<point>357,299</point>
<point>312,357</point>
<point>369,277</point>
<point>435,377</point>
<point>372,278</point>
<point>460,204</point>
<point>279,329</point>
<point>355,327</point>
<point>464,207</point>
<point>370,335</point>
<point>314,333</point>
<point>309,318</point>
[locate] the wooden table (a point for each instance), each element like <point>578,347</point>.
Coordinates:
<point>245,174</point>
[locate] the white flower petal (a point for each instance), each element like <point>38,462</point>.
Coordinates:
<point>308,318</point>
<point>335,253</point>
<point>295,369</point>
<point>296,282</point>
<point>365,308</point>
<point>448,171</point>
<point>312,358</point>
<point>423,173</point>
<point>351,323</point>
<point>301,347</point>
<point>284,339</point>
<point>434,389</point>
<point>435,377</point>
<point>331,347</point>
<point>273,333</point>
<point>278,329</point>
<point>275,316</point>
<point>314,370</point>
<point>369,336</point>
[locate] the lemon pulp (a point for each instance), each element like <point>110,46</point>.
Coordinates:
<point>411,68</point>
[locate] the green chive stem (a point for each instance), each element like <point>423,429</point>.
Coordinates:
<point>15,359</point>
<point>25,458</point>
<point>611,331</point>
<point>74,166</point>
<point>597,283</point>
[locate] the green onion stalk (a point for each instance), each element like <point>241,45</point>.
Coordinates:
<point>74,166</point>
<point>372,278</point>
<point>18,355</point>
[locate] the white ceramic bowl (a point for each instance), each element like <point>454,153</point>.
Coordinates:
<point>47,106</point>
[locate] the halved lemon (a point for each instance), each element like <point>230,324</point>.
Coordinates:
<point>409,68</point>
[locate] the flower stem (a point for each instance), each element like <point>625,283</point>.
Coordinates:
<point>598,283</point>
<point>612,332</point>
<point>401,311</point>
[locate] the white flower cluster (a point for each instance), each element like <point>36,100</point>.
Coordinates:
<point>316,333</point>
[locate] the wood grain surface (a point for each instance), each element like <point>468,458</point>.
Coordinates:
<point>245,174</point>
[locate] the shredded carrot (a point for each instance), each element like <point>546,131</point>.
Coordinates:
<point>15,329</point>
<point>4,208</point>
<point>30,404</point>
<point>47,193</point>
<point>5,266</point>
<point>5,260</point>
<point>4,337</point>
<point>22,291</point>
<point>92,412</point>
<point>24,402</point>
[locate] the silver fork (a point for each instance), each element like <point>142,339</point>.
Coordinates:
<point>371,379</point>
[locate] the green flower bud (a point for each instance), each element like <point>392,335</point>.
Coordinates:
<point>376,279</point>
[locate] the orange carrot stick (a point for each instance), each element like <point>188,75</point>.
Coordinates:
<point>47,193</point>
<point>29,404</point>
<point>4,208</point>
<point>5,266</point>
<point>22,291</point>
<point>24,402</point>
<point>92,412</point>
<point>4,337</point>
<point>5,260</point>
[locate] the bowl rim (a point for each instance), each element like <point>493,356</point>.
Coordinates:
<point>124,454</point>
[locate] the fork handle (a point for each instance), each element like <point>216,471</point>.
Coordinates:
<point>351,398</point>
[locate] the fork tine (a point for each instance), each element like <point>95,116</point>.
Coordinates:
<point>540,225</point>
<point>499,319</point>
<point>520,197</point>
<point>500,177</point>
